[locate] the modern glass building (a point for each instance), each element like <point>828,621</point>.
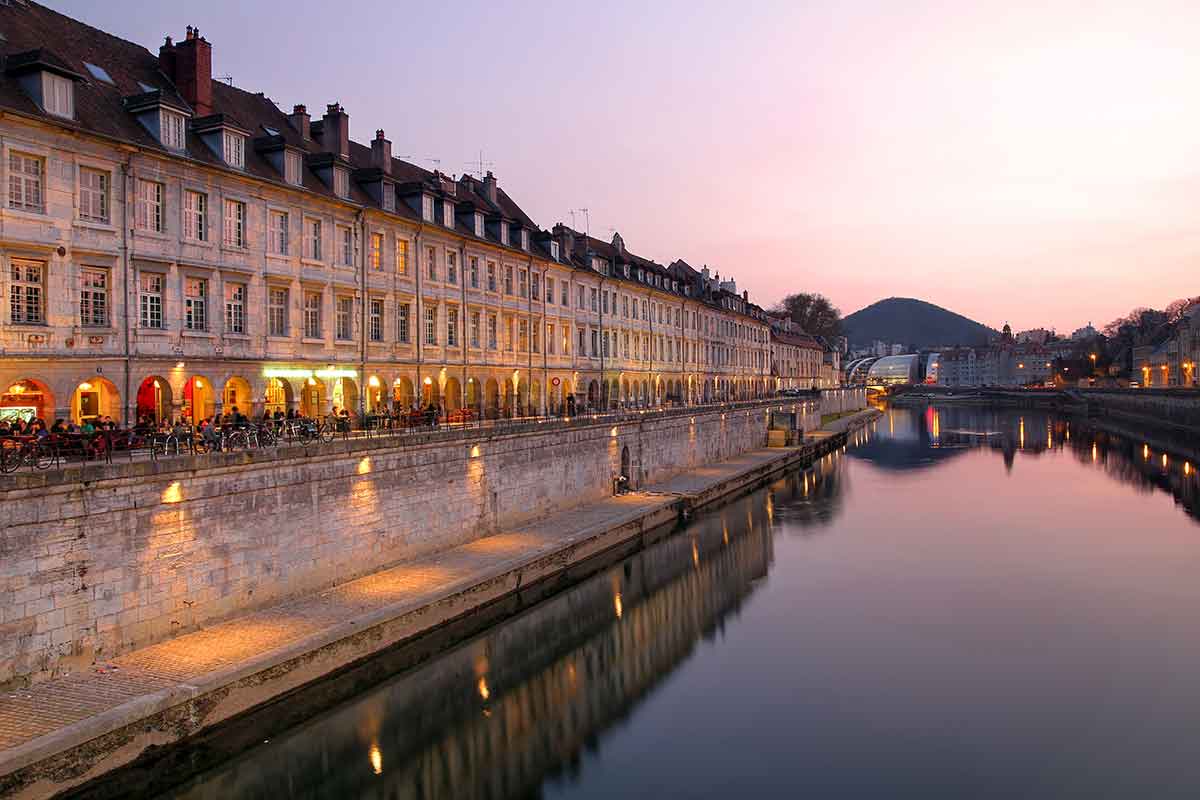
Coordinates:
<point>895,370</point>
<point>856,371</point>
<point>932,361</point>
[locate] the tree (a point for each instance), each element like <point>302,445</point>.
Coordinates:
<point>1113,329</point>
<point>1137,323</point>
<point>1175,310</point>
<point>813,313</point>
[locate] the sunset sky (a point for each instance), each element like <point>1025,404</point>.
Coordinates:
<point>1036,163</point>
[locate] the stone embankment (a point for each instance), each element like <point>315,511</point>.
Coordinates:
<point>1172,409</point>
<point>68,727</point>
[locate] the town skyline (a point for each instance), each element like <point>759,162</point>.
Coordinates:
<point>995,202</point>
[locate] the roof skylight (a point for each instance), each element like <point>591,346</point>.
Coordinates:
<point>99,73</point>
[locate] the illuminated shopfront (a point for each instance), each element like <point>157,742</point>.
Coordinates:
<point>27,399</point>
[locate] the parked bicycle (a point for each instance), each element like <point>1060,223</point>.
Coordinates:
<point>17,453</point>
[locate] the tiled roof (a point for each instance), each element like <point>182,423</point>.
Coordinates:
<point>38,34</point>
<point>796,340</point>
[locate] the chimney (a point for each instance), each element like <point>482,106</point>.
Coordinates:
<point>166,59</point>
<point>565,237</point>
<point>192,71</point>
<point>381,153</point>
<point>489,187</point>
<point>746,296</point>
<point>335,131</point>
<point>299,120</point>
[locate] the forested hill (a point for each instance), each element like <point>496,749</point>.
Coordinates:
<point>912,322</point>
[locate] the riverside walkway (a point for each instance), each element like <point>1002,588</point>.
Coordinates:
<point>62,732</point>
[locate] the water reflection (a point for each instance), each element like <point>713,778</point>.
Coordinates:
<point>510,709</point>
<point>985,613</point>
<point>926,437</point>
<point>810,500</point>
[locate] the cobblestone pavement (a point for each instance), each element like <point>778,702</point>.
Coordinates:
<point>46,707</point>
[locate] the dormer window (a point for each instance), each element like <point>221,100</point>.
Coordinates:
<point>554,250</point>
<point>171,129</point>
<point>389,196</point>
<point>293,167</point>
<point>58,95</point>
<point>447,214</point>
<point>524,239</point>
<point>503,232</point>
<point>427,208</point>
<point>234,148</point>
<point>479,224</point>
<point>341,182</point>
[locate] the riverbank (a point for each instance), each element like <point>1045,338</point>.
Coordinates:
<point>1175,410</point>
<point>1179,439</point>
<point>62,732</point>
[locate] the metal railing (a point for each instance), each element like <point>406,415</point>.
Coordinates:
<point>104,447</point>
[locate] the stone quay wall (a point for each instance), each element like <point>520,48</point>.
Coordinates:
<point>104,560</point>
<point>839,401</point>
<point>1175,407</point>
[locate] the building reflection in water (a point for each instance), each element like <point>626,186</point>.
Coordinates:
<point>500,714</point>
<point>810,499</point>
<point>926,437</point>
<point>518,707</point>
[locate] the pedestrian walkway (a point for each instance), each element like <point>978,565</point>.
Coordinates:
<point>46,722</point>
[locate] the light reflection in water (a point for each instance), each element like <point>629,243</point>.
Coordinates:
<point>886,617</point>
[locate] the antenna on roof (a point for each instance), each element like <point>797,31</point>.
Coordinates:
<point>587,221</point>
<point>228,79</point>
<point>480,166</point>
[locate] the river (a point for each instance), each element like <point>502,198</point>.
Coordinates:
<point>965,603</point>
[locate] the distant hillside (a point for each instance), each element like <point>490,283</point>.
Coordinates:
<point>912,322</point>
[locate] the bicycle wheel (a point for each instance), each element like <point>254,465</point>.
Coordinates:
<point>237,441</point>
<point>266,437</point>
<point>10,456</point>
<point>43,456</point>
<point>327,433</point>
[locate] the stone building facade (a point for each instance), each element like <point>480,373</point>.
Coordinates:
<point>1172,361</point>
<point>174,246</point>
<point>797,359</point>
